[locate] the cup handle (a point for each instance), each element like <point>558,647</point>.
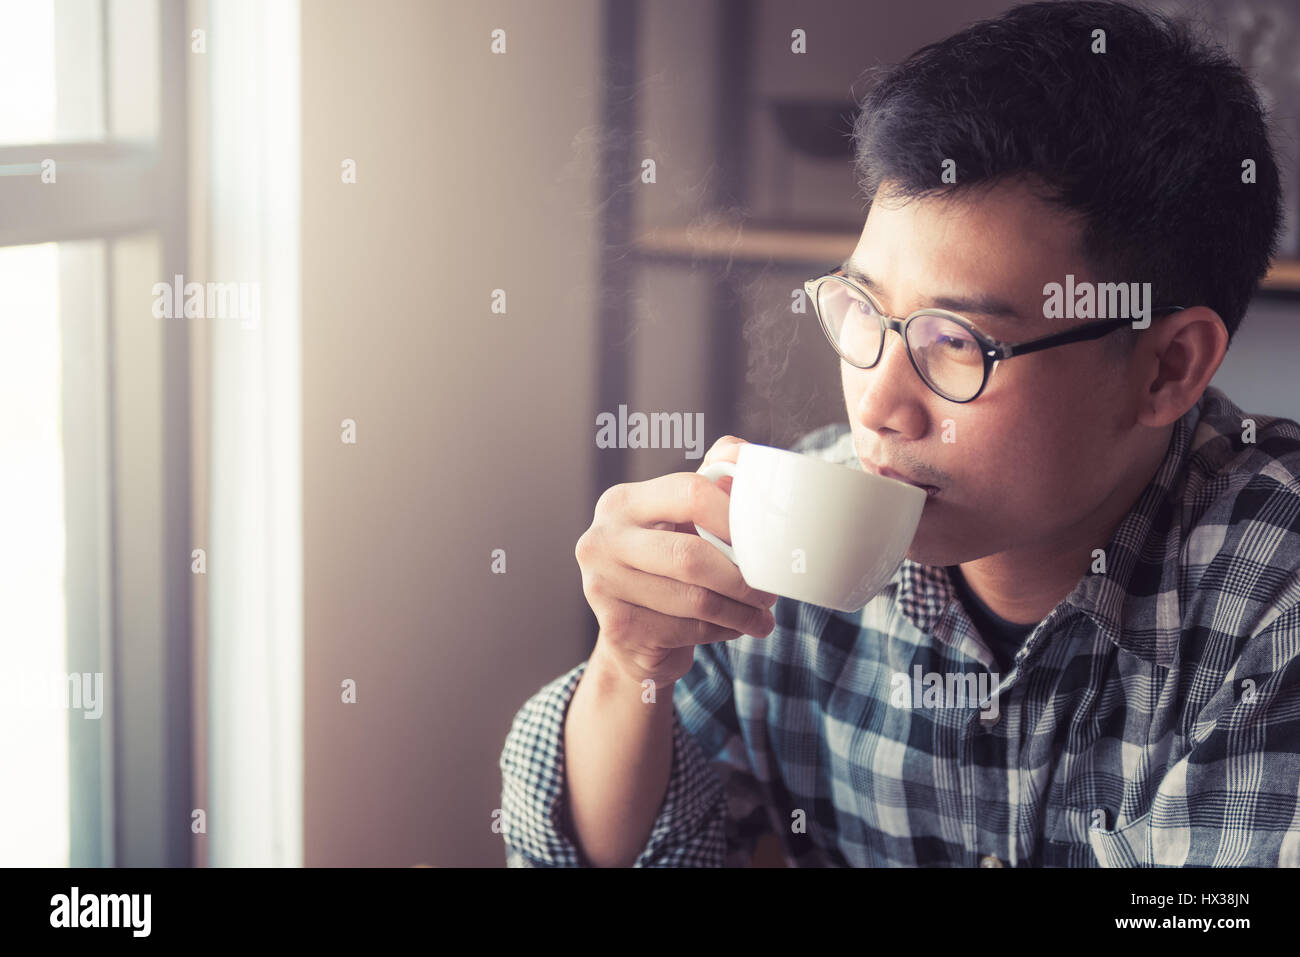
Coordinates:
<point>714,472</point>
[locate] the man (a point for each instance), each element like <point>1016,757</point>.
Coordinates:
<point>1112,542</point>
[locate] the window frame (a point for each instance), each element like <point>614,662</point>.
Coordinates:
<point>110,190</point>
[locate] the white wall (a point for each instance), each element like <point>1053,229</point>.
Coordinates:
<point>474,430</point>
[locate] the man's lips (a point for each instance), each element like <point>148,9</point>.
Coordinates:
<point>930,490</point>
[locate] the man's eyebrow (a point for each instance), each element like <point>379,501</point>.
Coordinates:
<point>974,305</point>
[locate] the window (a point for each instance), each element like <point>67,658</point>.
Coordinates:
<point>94,443</point>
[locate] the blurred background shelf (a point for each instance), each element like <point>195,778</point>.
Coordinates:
<point>764,244</point>
<point>747,243</point>
<point>1283,278</point>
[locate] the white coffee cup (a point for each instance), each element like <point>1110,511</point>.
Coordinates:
<point>813,530</point>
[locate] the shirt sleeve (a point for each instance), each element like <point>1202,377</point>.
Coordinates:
<point>693,827</point>
<point>1234,799</point>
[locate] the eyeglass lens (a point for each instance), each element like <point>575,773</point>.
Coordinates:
<point>946,354</point>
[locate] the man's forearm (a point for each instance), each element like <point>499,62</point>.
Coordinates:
<point>618,757</point>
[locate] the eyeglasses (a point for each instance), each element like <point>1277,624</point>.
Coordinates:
<point>950,355</point>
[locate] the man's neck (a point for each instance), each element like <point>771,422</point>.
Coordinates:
<point>1024,584</point>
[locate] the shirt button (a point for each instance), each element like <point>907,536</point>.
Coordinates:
<point>988,860</point>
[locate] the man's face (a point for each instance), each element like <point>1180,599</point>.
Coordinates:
<point>1050,436</point>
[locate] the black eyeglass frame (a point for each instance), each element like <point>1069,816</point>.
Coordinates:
<point>992,351</point>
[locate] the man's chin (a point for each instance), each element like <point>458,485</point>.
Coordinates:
<point>926,551</point>
<point>930,548</point>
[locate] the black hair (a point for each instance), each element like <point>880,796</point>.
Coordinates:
<point>1144,142</point>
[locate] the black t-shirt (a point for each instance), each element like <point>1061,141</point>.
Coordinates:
<point>1003,637</point>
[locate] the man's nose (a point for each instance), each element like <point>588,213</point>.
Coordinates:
<point>892,393</point>
<point>894,373</point>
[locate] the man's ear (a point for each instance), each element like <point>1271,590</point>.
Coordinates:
<point>1176,357</point>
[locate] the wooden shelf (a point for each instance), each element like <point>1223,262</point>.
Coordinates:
<point>1283,277</point>
<point>816,247</point>
<point>753,244</point>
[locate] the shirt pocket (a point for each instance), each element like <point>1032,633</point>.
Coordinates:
<point>1075,841</point>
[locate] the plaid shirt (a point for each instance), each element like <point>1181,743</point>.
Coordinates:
<point>1152,718</point>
